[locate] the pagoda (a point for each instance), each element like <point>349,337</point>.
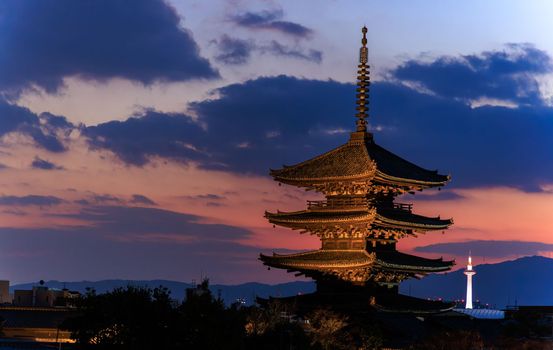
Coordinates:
<point>359,222</point>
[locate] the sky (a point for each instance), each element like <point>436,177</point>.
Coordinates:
<point>136,139</point>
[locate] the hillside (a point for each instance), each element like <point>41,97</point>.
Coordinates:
<point>229,293</point>
<point>528,281</point>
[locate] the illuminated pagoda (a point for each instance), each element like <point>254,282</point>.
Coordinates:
<point>359,222</point>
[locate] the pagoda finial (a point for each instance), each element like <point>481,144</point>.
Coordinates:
<point>363,83</point>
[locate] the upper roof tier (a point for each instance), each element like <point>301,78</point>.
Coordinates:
<point>360,160</point>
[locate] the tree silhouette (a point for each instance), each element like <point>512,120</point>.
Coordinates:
<point>126,318</point>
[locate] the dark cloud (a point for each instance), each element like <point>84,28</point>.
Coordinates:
<point>505,75</point>
<point>237,51</point>
<point>56,123</point>
<point>279,49</point>
<point>105,198</point>
<point>42,129</point>
<point>39,163</point>
<point>485,146</point>
<point>270,121</point>
<point>271,20</point>
<point>43,41</point>
<point>172,136</point>
<point>137,223</point>
<point>233,50</point>
<point>491,249</point>
<point>23,201</point>
<point>209,199</point>
<point>141,199</point>
<point>251,126</point>
<point>210,196</point>
<point>100,199</point>
<point>261,123</point>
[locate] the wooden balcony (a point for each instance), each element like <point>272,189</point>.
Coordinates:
<point>348,203</point>
<point>403,206</point>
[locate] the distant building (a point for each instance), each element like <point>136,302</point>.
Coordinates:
<point>38,324</point>
<point>5,297</point>
<point>36,314</point>
<point>42,296</point>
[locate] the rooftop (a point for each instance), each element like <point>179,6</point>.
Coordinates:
<point>359,160</point>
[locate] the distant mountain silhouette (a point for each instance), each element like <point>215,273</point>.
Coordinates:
<point>528,281</point>
<point>229,293</point>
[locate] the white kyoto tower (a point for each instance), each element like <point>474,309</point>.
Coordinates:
<point>469,272</point>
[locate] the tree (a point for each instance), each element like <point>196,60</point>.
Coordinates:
<point>207,324</point>
<point>327,330</point>
<point>452,340</point>
<point>273,328</point>
<point>125,318</point>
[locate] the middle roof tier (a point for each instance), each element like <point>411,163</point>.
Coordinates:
<point>367,222</point>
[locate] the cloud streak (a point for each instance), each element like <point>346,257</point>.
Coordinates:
<point>508,75</point>
<point>234,51</point>
<point>43,129</point>
<point>30,200</point>
<point>271,20</point>
<point>39,163</point>
<point>491,249</point>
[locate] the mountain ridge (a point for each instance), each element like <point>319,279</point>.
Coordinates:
<point>523,281</point>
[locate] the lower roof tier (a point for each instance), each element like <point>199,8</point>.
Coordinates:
<point>357,265</point>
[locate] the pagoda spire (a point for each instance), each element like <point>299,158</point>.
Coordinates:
<point>363,83</point>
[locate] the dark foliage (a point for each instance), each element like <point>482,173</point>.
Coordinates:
<point>144,318</point>
<point>207,324</point>
<point>126,318</point>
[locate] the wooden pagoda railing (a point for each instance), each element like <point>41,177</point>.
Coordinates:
<point>338,203</point>
<point>403,206</point>
<point>350,203</point>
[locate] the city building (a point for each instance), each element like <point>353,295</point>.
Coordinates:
<point>359,222</point>
<point>36,314</point>
<point>5,297</point>
<point>42,296</point>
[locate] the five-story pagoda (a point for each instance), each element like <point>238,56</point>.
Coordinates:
<point>359,222</point>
